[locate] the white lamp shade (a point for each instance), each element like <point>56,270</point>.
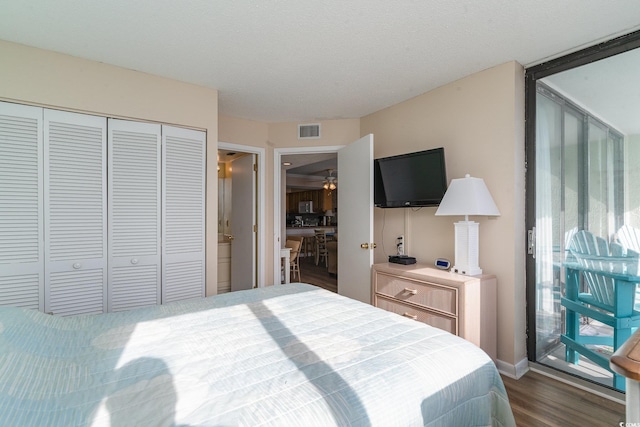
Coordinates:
<point>467,196</point>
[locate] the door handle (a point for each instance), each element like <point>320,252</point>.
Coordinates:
<point>368,245</point>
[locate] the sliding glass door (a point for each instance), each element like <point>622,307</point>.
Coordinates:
<point>578,183</point>
<point>559,130</point>
<point>583,161</point>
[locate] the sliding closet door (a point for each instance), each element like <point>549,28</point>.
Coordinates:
<point>21,204</point>
<point>75,213</point>
<point>134,214</point>
<point>183,213</point>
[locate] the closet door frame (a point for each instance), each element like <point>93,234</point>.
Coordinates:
<point>183,213</point>
<point>134,262</point>
<point>74,276</point>
<point>22,268</point>
<point>60,259</point>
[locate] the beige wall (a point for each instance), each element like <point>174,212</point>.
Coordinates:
<point>332,132</point>
<point>271,136</point>
<point>45,78</point>
<point>255,134</point>
<point>479,120</point>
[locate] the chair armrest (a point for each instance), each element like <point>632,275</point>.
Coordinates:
<point>613,275</point>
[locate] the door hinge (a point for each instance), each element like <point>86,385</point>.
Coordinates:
<point>531,242</point>
<point>255,228</point>
<point>255,167</point>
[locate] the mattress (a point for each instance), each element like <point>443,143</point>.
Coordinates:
<point>286,355</point>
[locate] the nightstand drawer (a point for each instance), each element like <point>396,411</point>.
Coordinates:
<point>462,305</point>
<point>429,295</point>
<point>440,321</point>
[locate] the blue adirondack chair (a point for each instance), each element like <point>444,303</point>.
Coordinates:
<point>629,237</point>
<point>609,274</point>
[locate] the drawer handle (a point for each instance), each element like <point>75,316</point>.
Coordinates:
<point>410,316</point>
<point>411,291</point>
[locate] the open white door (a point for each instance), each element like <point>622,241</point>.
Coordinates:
<point>355,219</point>
<point>243,218</point>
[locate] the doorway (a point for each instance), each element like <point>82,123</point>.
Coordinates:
<point>355,204</point>
<point>241,217</point>
<point>297,156</point>
<point>311,216</point>
<point>582,161</point>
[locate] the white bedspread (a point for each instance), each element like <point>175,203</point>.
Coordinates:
<point>292,355</point>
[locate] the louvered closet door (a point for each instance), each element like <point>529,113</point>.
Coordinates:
<point>21,204</point>
<point>75,213</point>
<point>134,214</point>
<point>183,261</point>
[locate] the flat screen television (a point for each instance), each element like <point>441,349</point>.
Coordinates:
<point>410,180</point>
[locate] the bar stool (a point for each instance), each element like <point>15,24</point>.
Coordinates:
<point>321,251</point>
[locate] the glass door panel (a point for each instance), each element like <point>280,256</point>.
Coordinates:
<point>598,182</point>
<point>572,155</point>
<point>583,158</point>
<point>579,186</point>
<point>548,225</point>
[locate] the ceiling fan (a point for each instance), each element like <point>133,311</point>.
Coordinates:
<point>330,182</point>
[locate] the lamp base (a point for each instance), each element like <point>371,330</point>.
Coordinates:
<point>466,270</point>
<point>466,236</point>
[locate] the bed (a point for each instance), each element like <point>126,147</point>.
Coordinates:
<point>283,355</point>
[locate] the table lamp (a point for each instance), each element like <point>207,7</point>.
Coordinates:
<point>467,196</point>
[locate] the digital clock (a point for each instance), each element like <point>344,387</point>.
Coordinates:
<point>443,264</point>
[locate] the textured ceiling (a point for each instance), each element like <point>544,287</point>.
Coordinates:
<point>299,60</point>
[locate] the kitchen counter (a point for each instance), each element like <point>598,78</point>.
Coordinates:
<point>307,230</point>
<point>311,226</point>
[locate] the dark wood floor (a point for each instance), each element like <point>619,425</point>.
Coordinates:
<point>537,400</point>
<point>316,275</point>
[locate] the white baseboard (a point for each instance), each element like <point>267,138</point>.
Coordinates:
<point>513,371</point>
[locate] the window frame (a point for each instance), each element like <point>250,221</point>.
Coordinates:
<point>532,75</point>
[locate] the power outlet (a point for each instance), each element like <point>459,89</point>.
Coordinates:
<point>400,245</point>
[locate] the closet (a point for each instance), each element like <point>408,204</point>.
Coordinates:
<point>98,214</point>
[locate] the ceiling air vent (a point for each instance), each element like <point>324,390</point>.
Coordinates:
<point>309,131</point>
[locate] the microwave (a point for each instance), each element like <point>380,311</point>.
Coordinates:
<point>305,207</point>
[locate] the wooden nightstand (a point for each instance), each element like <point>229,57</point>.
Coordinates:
<point>462,305</point>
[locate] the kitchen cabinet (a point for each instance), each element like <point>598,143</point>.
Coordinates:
<point>224,267</point>
<point>327,200</point>
<point>322,201</point>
